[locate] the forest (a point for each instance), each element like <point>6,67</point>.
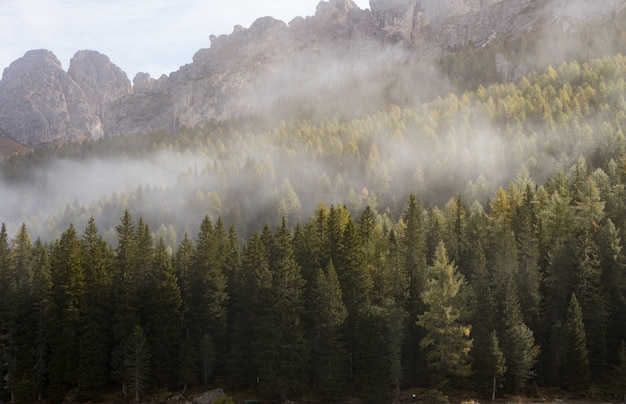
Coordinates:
<point>471,242</point>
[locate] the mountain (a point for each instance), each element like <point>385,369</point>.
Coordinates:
<point>341,61</point>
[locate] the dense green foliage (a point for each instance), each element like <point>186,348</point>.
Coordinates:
<point>474,239</point>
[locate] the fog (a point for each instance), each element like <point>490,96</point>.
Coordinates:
<point>249,177</point>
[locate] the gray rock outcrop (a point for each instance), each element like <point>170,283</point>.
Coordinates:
<point>102,82</point>
<point>209,396</point>
<point>41,104</point>
<point>340,57</point>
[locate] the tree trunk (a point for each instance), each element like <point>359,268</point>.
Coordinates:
<point>493,391</point>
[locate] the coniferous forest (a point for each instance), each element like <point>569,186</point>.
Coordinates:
<point>473,242</point>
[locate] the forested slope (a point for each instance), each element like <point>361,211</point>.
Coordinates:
<point>423,245</point>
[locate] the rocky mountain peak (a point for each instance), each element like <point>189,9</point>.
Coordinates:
<point>102,82</point>
<point>335,10</point>
<point>40,103</point>
<point>33,60</point>
<point>271,64</point>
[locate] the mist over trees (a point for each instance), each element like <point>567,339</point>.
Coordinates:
<point>472,241</point>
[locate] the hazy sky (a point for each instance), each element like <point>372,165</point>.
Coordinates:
<point>154,36</point>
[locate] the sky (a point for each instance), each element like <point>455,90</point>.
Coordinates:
<point>153,36</point>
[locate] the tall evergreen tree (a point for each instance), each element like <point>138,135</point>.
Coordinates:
<point>284,354</point>
<point>592,298</point>
<point>8,320</point>
<point>136,364</point>
<point>328,352</point>
<point>412,251</point>
<point>42,313</point>
<point>576,376</point>
<point>446,340</point>
<point>497,363</point>
<point>208,296</point>
<point>207,356</point>
<point>126,291</point>
<point>68,297</point>
<point>187,362</point>
<point>163,319</point>
<point>620,371</point>
<point>521,358</point>
<point>182,263</point>
<point>251,292</point>
<point>95,335</point>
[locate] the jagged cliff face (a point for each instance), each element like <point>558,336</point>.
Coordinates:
<point>41,104</point>
<point>331,59</point>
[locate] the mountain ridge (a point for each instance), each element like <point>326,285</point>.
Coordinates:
<point>341,58</point>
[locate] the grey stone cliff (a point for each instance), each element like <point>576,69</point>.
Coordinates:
<point>334,55</point>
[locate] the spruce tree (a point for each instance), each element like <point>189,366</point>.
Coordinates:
<point>42,310</point>
<point>126,291</point>
<point>576,376</point>
<point>446,340</point>
<point>592,298</point>
<point>207,356</point>
<point>283,355</point>
<point>182,263</point>
<point>68,297</point>
<point>521,357</point>
<point>497,363</point>
<point>620,372</point>
<point>251,299</point>
<point>187,362</point>
<point>328,351</point>
<point>208,296</point>
<point>163,320</point>
<point>8,321</point>
<point>96,315</point>
<point>136,363</point>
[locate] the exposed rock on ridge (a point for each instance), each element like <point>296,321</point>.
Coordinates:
<point>341,56</point>
<point>41,104</point>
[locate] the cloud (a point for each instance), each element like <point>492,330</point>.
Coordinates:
<point>154,36</point>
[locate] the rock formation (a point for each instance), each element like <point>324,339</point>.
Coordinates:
<point>41,104</point>
<point>102,82</point>
<point>338,58</point>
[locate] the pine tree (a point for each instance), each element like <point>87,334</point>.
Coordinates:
<point>521,358</point>
<point>576,376</point>
<point>250,292</point>
<point>592,298</point>
<point>446,340</point>
<point>68,298</point>
<point>126,290</point>
<point>136,364</point>
<point>528,277</point>
<point>8,321</point>
<point>208,295</point>
<point>207,356</point>
<point>283,355</point>
<point>187,362</point>
<point>95,320</point>
<point>42,310</point>
<point>614,280</point>
<point>483,311</point>
<point>163,318</point>
<point>497,363</point>
<point>182,263</point>
<point>328,352</point>
<point>620,371</point>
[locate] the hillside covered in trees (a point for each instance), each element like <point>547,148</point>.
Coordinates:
<point>474,241</point>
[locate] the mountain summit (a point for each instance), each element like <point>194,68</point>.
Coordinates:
<point>342,60</point>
